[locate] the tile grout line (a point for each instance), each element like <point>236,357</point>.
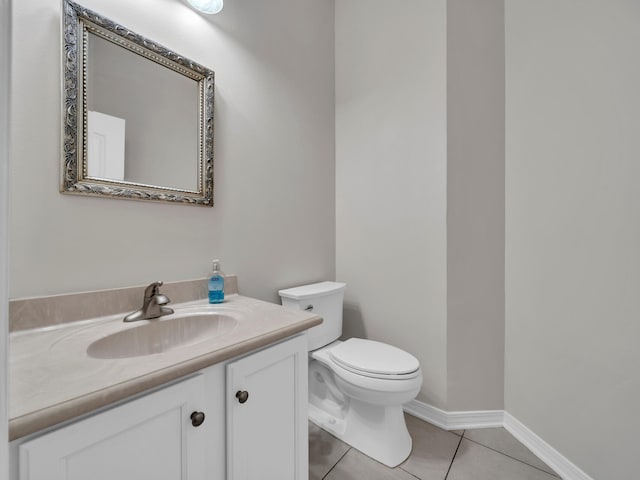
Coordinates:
<point>408,473</point>
<point>513,458</point>
<point>454,455</point>
<point>334,465</point>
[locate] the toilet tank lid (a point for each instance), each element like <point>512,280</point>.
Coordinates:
<point>312,291</point>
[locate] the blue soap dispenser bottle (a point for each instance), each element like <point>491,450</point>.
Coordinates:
<point>216,284</point>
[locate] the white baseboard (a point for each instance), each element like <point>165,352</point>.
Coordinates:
<point>455,420</point>
<point>498,418</point>
<point>541,449</point>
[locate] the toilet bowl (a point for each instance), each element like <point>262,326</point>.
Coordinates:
<point>357,387</point>
<point>367,413</point>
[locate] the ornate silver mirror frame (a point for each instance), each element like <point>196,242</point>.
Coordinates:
<point>78,23</point>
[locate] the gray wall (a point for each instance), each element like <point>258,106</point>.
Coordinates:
<point>391,169</point>
<point>273,223</point>
<point>475,205</point>
<point>420,188</point>
<point>573,228</point>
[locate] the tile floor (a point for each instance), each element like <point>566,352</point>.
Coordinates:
<point>485,454</point>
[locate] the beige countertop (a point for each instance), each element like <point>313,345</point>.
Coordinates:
<point>53,378</point>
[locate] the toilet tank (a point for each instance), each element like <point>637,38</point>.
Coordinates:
<point>324,299</point>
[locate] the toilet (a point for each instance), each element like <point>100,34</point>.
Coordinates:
<point>356,387</point>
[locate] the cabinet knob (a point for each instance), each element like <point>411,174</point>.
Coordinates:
<point>197,419</point>
<point>242,396</point>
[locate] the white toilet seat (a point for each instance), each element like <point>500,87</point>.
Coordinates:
<point>375,359</point>
<point>383,384</point>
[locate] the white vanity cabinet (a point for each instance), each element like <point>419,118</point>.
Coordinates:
<point>149,437</point>
<point>267,429</point>
<point>153,436</point>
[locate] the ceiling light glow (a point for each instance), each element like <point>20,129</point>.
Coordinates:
<point>206,6</point>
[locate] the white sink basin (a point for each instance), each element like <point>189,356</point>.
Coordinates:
<point>163,334</point>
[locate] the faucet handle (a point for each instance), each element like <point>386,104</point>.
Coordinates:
<point>161,299</point>
<point>152,289</point>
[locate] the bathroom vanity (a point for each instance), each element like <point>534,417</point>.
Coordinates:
<point>230,406</point>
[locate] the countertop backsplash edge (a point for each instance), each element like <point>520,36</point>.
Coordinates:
<point>38,312</point>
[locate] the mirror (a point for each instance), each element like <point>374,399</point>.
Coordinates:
<point>138,118</point>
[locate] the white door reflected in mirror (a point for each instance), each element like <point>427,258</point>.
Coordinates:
<point>105,149</point>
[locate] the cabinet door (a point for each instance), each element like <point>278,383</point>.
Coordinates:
<point>151,437</point>
<point>267,431</point>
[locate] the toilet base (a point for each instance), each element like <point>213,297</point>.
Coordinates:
<point>377,431</point>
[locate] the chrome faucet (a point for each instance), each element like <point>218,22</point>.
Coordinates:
<point>152,306</point>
